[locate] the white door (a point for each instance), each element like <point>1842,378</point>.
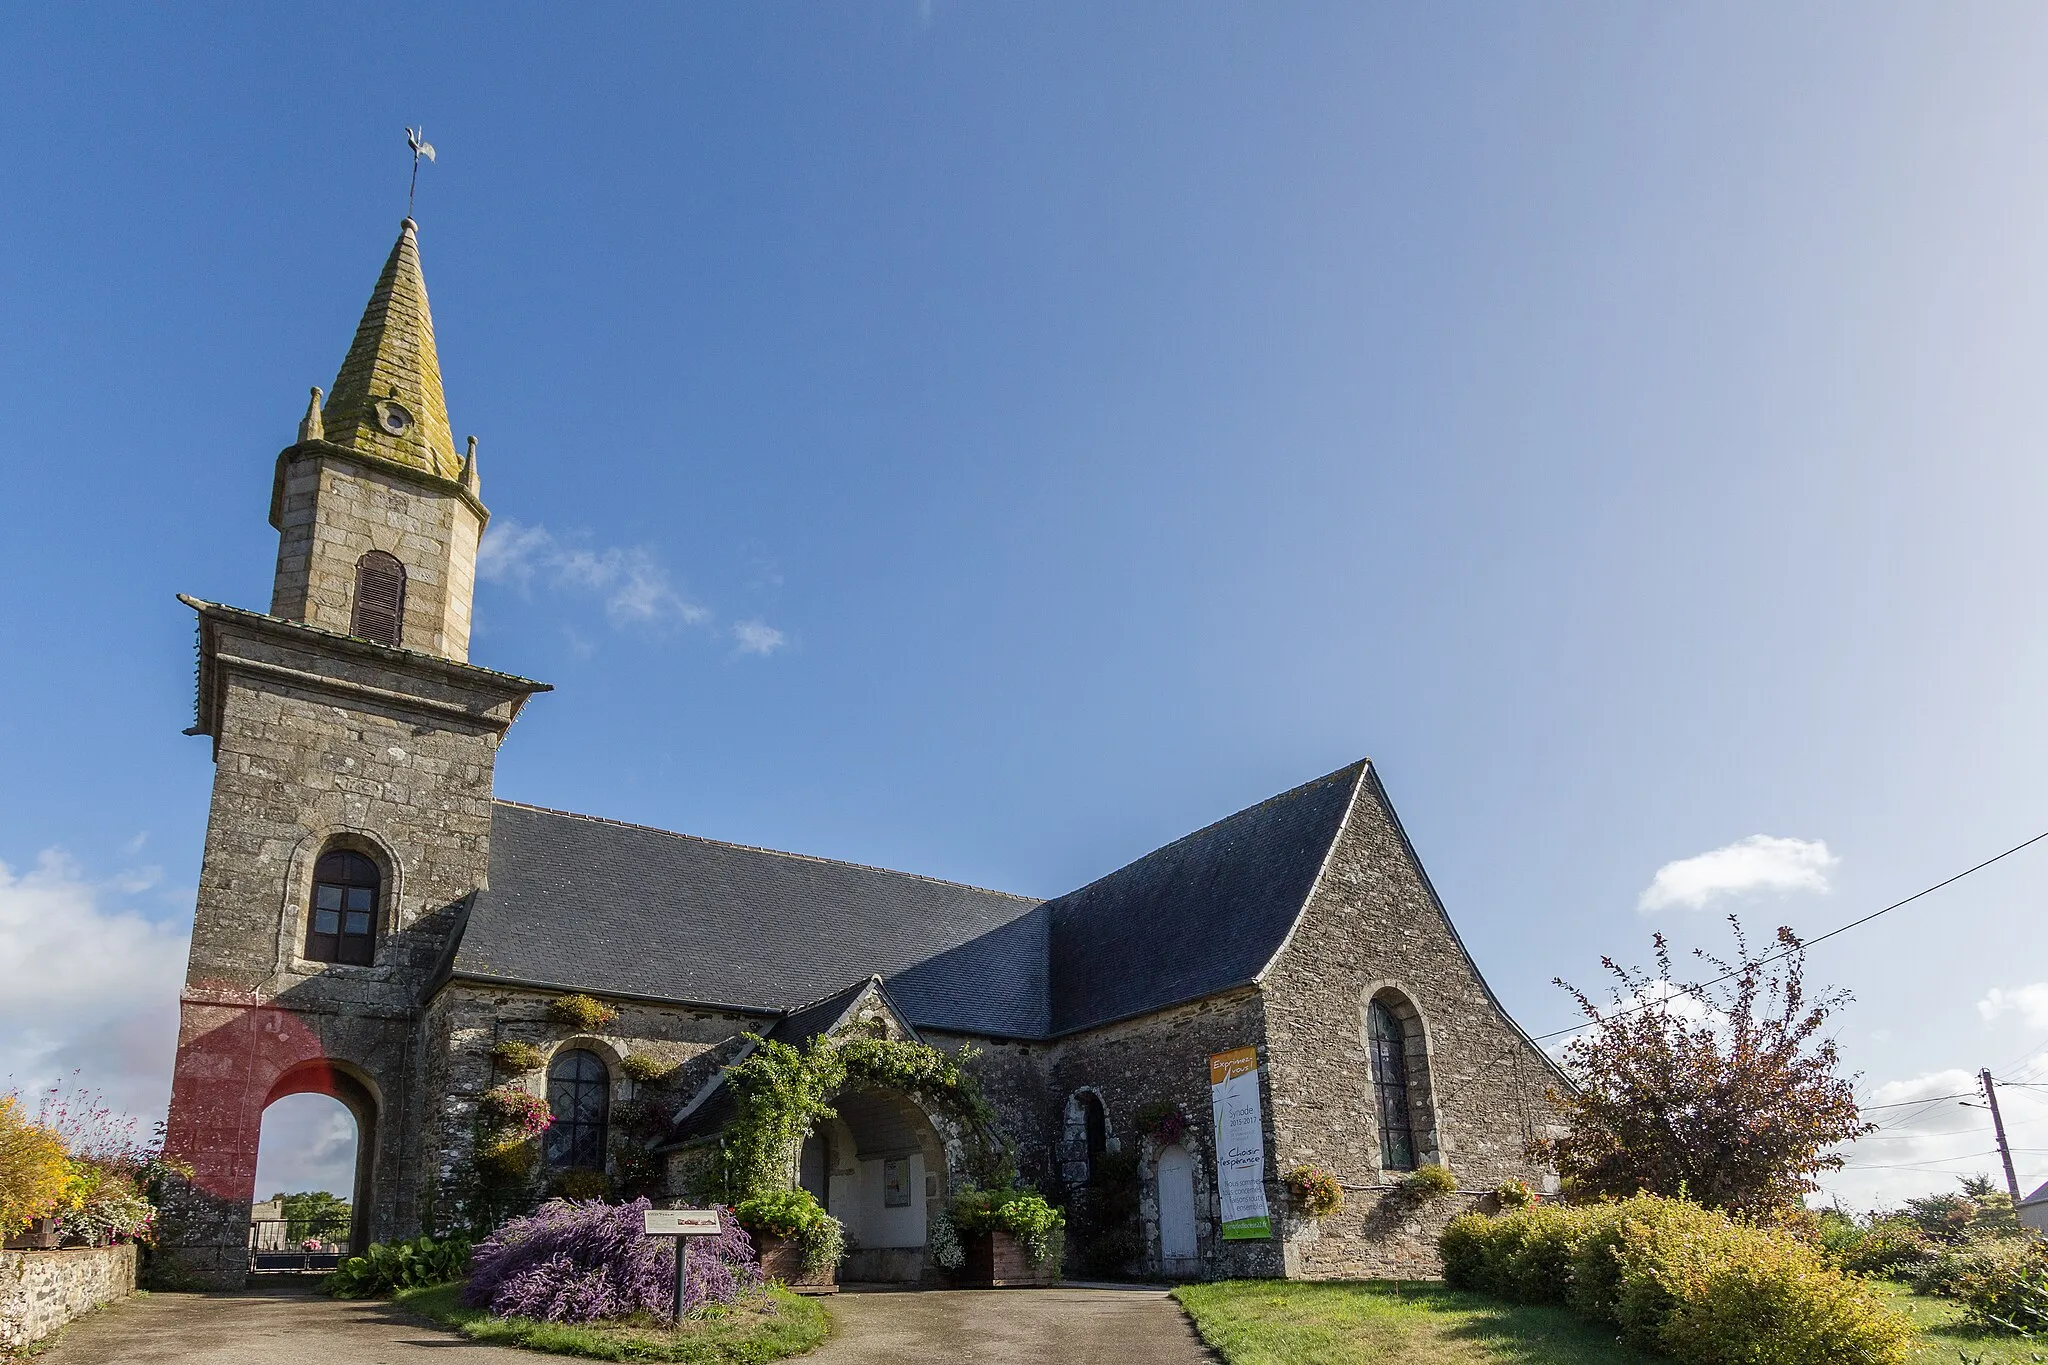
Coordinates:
<point>1176,1204</point>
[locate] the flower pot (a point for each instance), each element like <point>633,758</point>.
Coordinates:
<point>996,1259</point>
<point>782,1258</point>
<point>42,1234</point>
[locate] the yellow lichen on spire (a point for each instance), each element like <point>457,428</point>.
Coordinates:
<point>387,400</point>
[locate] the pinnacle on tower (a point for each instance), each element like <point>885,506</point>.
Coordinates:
<point>387,401</point>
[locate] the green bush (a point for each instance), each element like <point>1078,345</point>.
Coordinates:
<point>796,1216</point>
<point>1887,1247</point>
<point>647,1068</point>
<point>1953,1271</point>
<point>583,1011</point>
<point>388,1267</point>
<point>1680,1279</point>
<point>1428,1183</point>
<point>518,1058</point>
<point>1024,1215</point>
<point>2010,1294</point>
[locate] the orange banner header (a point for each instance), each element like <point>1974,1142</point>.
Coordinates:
<point>1236,1062</point>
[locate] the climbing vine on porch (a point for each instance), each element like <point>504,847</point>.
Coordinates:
<point>781,1093</point>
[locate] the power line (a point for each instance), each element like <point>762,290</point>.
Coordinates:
<point>1931,1099</point>
<point>1808,943</point>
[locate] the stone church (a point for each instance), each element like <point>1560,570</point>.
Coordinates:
<point>374,925</point>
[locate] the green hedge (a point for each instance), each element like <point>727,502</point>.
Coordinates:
<point>1681,1279</point>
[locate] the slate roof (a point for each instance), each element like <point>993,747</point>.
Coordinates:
<point>595,905</point>
<point>581,903</point>
<point>1201,915</point>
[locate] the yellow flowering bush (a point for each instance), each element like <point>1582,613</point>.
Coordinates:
<point>35,1174</point>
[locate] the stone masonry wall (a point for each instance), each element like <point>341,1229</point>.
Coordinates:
<point>1478,1087</point>
<point>40,1291</point>
<point>1158,1057</point>
<point>468,1019</point>
<point>336,508</point>
<point>320,744</point>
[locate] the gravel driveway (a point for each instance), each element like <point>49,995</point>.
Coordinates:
<point>283,1324</point>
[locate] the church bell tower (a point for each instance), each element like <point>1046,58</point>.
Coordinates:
<point>353,747</point>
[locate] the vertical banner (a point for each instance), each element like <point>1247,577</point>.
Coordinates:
<point>1240,1143</point>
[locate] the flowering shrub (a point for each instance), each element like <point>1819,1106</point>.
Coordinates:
<point>35,1178</point>
<point>796,1216</point>
<point>518,1058</point>
<point>1679,1278</point>
<point>571,1262</point>
<point>1162,1121</point>
<point>387,1267</point>
<point>1516,1194</point>
<point>583,1011</point>
<point>1428,1184</point>
<point>104,1206</point>
<point>942,1239</point>
<point>515,1114</point>
<point>1315,1190</point>
<point>1024,1215</point>
<point>647,1068</point>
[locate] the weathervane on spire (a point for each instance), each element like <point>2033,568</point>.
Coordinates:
<point>416,138</point>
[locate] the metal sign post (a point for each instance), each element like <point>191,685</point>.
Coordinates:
<point>681,1224</point>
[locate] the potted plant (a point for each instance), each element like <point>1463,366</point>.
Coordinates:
<point>796,1240</point>
<point>1009,1237</point>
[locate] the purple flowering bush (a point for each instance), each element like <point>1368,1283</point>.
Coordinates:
<point>571,1261</point>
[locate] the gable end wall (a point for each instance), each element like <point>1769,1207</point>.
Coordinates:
<point>1373,923</point>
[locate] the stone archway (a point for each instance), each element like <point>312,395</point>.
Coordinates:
<point>324,1076</point>
<point>880,1167</point>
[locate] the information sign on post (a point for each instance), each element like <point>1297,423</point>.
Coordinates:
<point>681,1224</point>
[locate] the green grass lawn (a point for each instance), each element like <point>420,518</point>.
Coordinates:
<point>1387,1322</point>
<point>1946,1340</point>
<point>775,1325</point>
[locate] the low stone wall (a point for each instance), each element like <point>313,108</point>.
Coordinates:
<point>40,1291</point>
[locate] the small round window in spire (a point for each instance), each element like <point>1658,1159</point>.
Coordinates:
<point>393,417</point>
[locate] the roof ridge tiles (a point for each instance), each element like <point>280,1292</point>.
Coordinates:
<point>776,852</point>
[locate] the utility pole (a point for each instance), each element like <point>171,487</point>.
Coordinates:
<point>2012,1182</point>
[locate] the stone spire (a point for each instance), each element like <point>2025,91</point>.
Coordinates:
<point>387,401</point>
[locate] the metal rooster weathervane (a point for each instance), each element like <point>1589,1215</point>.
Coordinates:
<point>416,138</point>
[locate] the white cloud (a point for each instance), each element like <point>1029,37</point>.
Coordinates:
<point>758,637</point>
<point>92,987</point>
<point>1929,1137</point>
<point>1762,862</point>
<point>636,588</point>
<point>2029,1002</point>
<point>308,1143</point>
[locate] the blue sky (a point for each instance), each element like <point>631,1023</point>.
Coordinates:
<point>993,441</point>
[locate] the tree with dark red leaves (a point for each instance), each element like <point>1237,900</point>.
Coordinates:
<point>1723,1090</point>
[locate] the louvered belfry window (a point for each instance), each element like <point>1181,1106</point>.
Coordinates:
<point>380,599</point>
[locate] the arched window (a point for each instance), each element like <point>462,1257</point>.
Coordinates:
<point>580,1094</point>
<point>343,926</point>
<point>380,599</point>
<point>1097,1128</point>
<point>1390,1087</point>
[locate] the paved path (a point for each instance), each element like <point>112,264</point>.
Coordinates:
<point>288,1324</point>
<point>1064,1326</point>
